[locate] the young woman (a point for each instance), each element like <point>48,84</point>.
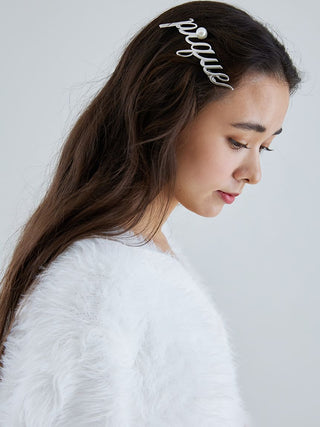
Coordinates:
<point>103,322</point>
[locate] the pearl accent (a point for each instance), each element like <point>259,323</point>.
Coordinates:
<point>201,33</point>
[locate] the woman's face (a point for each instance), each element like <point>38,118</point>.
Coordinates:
<point>208,160</point>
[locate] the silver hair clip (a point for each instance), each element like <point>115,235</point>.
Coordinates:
<point>186,27</point>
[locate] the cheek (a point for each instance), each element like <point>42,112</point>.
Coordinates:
<point>216,164</point>
<point>204,164</point>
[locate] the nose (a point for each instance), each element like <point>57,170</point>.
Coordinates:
<point>250,169</point>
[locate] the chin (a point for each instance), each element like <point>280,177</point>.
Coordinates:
<point>207,210</point>
<point>212,212</point>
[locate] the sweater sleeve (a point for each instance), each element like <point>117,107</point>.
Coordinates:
<point>66,361</point>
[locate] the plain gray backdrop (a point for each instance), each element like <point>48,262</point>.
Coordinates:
<point>259,256</point>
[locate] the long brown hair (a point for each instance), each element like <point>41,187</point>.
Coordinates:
<point>120,154</point>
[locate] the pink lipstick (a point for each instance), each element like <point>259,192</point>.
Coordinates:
<point>226,197</point>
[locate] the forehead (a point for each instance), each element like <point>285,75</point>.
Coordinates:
<point>260,99</point>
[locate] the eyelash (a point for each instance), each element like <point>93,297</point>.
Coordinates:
<point>238,145</point>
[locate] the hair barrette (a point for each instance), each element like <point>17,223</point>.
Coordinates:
<point>198,49</point>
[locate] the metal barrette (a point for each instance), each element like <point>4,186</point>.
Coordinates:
<point>198,49</point>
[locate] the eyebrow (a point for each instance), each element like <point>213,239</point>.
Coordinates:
<point>253,126</point>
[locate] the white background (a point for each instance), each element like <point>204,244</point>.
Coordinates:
<point>259,256</point>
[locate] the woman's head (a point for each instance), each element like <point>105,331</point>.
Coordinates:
<point>220,149</point>
<point>121,154</point>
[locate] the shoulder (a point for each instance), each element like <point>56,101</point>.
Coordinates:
<point>87,273</point>
<point>95,281</point>
<point>70,334</point>
<point>102,256</point>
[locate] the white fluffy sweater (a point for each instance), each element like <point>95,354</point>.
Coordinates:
<point>120,336</point>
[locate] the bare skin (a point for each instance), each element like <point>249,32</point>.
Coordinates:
<point>207,160</point>
<point>163,244</point>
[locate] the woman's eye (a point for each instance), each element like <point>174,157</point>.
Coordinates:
<point>237,145</point>
<point>266,148</point>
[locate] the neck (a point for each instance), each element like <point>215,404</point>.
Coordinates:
<point>150,221</point>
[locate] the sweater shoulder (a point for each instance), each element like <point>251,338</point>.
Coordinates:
<point>89,273</point>
<point>69,335</point>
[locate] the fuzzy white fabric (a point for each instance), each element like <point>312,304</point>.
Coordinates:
<point>120,336</point>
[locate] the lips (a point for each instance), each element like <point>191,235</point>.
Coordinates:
<point>231,194</point>
<point>227,197</point>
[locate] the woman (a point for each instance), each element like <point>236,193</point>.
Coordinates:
<point>103,322</point>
